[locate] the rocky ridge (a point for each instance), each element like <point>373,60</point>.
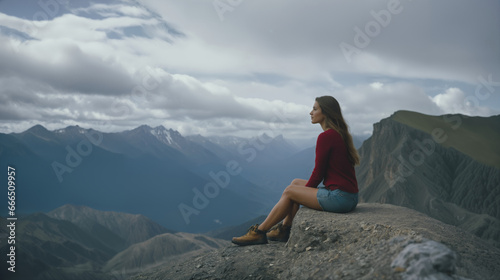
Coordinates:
<point>159,250</point>
<point>408,167</point>
<point>129,228</point>
<point>376,241</point>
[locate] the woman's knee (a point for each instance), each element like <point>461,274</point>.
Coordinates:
<point>299,182</point>
<point>295,182</point>
<point>291,191</point>
<point>287,191</point>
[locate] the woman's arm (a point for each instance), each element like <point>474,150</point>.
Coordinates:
<point>323,146</point>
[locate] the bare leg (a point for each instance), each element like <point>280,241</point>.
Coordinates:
<point>289,218</point>
<point>294,195</point>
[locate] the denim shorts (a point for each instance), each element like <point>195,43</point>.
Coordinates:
<point>336,201</point>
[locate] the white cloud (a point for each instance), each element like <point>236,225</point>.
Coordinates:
<point>455,101</point>
<point>377,85</point>
<point>452,100</point>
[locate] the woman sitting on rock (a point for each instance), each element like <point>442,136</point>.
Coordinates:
<point>336,157</point>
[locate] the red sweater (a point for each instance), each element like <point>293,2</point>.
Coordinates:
<point>332,165</point>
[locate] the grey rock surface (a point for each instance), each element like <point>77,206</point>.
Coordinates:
<point>358,245</point>
<point>426,260</point>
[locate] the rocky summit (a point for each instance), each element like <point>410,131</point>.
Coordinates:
<point>376,241</point>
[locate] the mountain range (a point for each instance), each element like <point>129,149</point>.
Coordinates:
<point>184,183</point>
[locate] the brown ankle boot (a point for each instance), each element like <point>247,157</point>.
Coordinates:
<point>279,232</point>
<point>254,236</point>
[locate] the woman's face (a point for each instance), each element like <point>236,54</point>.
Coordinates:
<point>316,114</point>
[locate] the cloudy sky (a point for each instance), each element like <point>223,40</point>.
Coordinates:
<point>241,67</point>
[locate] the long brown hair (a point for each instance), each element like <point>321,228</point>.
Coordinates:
<point>331,110</point>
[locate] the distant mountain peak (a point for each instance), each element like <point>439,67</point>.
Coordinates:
<point>143,127</point>
<point>279,137</point>
<point>265,136</point>
<point>72,207</point>
<point>162,134</point>
<point>158,129</point>
<point>72,129</point>
<point>37,128</point>
<point>167,136</point>
<point>161,127</point>
<point>39,131</point>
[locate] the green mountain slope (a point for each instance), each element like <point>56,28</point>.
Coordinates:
<point>477,137</point>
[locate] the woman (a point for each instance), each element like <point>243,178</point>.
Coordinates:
<point>336,157</point>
